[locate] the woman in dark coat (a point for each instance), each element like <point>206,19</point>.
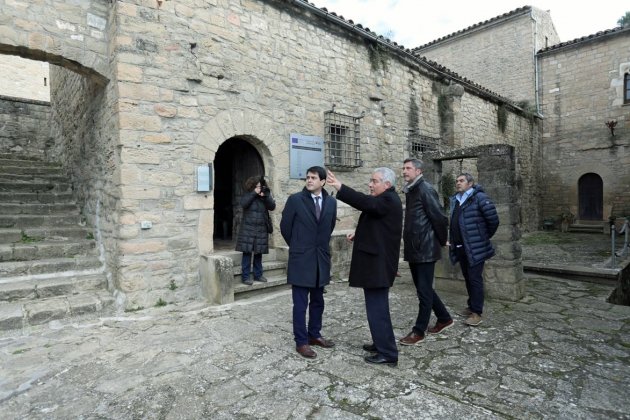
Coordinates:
<point>253,235</point>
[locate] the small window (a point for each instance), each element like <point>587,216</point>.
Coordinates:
<point>626,89</point>
<point>418,144</point>
<point>343,140</point>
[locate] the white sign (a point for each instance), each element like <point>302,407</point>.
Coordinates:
<point>305,151</point>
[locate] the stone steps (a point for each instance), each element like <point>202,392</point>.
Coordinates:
<point>10,269</point>
<point>17,169</point>
<point>18,315</point>
<point>273,269</point>
<point>8,160</point>
<point>40,287</point>
<point>44,233</point>
<point>274,283</point>
<point>46,249</point>
<point>8,208</point>
<point>587,228</point>
<point>25,221</point>
<point>36,197</point>
<point>44,176</point>
<point>34,186</point>
<point>49,263</point>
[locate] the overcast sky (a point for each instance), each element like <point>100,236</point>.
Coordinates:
<point>416,22</point>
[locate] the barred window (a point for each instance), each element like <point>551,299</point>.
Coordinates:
<point>626,89</point>
<point>343,140</point>
<point>418,144</point>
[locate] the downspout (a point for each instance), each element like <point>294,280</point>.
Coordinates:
<point>535,60</point>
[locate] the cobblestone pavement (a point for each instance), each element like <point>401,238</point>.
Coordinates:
<point>584,249</point>
<point>561,352</point>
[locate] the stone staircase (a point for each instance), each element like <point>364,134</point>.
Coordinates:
<point>587,226</point>
<point>49,263</point>
<point>273,269</point>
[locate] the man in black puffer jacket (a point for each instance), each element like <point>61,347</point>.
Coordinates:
<point>424,233</point>
<point>474,220</point>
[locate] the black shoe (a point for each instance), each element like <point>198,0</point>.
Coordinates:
<point>262,279</point>
<point>248,282</point>
<point>377,359</point>
<point>370,347</point>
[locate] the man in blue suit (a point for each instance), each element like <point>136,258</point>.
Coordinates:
<point>308,220</point>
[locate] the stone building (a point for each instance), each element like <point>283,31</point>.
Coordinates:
<point>577,87</point>
<point>144,93</point>
<point>585,101</point>
<point>499,53</point>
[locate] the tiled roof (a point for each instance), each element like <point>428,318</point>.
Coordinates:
<point>586,38</point>
<point>514,12</point>
<point>432,65</point>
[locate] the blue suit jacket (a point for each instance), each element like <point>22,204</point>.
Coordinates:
<point>308,238</point>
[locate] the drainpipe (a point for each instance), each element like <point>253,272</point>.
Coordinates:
<point>535,59</point>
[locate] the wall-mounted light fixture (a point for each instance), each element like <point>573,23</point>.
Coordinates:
<point>611,126</point>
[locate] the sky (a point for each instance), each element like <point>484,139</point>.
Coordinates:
<point>416,22</point>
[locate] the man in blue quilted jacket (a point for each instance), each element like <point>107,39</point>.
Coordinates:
<point>474,220</point>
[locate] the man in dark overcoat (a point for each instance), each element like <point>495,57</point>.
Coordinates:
<point>308,220</point>
<point>375,256</point>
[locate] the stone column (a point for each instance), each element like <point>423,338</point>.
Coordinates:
<point>503,273</point>
<point>217,279</point>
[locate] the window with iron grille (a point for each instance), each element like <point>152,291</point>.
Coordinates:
<point>418,144</point>
<point>343,140</point>
<point>626,89</point>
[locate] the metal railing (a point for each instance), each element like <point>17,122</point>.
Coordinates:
<point>613,234</point>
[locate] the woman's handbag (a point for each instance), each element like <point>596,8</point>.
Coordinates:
<point>268,221</point>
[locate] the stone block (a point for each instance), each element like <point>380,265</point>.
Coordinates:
<point>217,279</point>
<point>40,312</point>
<point>198,202</point>
<point>11,316</point>
<point>83,304</point>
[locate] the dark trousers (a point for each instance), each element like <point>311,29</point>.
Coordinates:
<point>474,281</point>
<point>380,322</point>
<point>246,265</point>
<point>422,274</point>
<point>301,331</point>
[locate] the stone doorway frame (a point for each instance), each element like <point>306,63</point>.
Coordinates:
<point>496,172</point>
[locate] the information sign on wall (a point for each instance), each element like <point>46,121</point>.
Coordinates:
<point>305,151</point>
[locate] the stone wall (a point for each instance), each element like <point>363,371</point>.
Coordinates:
<point>581,89</point>
<point>258,70</point>
<point>84,124</point>
<point>24,78</point>
<point>184,77</point>
<point>503,273</point>
<point>25,127</point>
<point>498,55</point>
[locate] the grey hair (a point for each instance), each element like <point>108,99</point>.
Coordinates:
<point>469,177</point>
<point>388,175</point>
<point>417,163</point>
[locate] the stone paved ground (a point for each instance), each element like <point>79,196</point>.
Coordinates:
<point>561,352</point>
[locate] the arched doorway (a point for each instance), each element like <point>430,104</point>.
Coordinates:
<point>591,197</point>
<point>235,161</point>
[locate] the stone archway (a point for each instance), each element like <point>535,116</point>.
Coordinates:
<point>262,133</point>
<point>496,170</point>
<point>75,36</point>
<point>236,160</point>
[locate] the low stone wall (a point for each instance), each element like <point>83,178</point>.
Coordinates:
<point>621,294</point>
<point>25,127</point>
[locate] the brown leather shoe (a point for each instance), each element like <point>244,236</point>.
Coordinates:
<point>322,342</point>
<point>411,339</point>
<point>306,351</point>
